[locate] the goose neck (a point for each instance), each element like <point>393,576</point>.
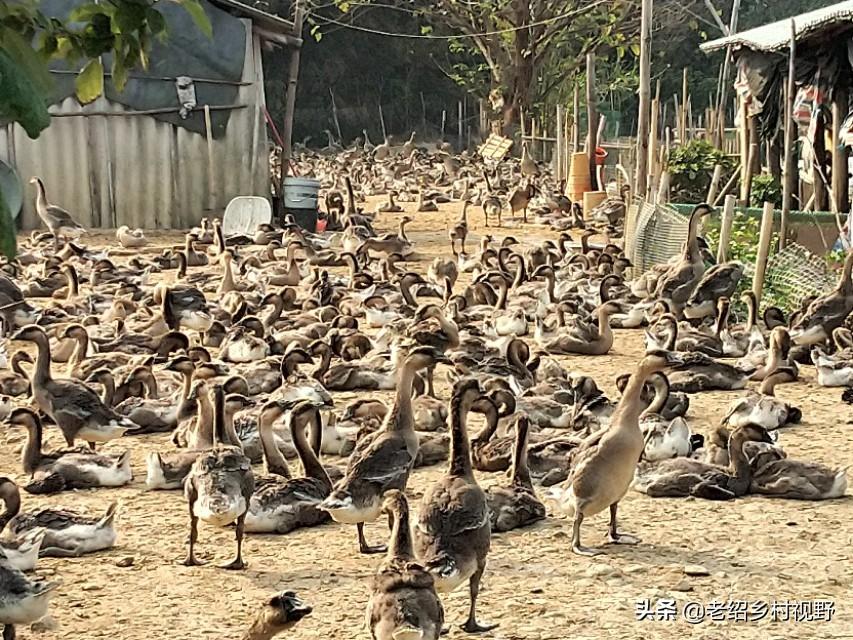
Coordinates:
<point>32,454</point>
<point>401,535</point>
<point>274,461</point>
<point>520,470</point>
<point>460,446</point>
<point>310,462</point>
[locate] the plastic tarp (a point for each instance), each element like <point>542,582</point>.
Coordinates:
<point>185,51</point>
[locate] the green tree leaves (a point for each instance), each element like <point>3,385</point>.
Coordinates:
<point>90,82</point>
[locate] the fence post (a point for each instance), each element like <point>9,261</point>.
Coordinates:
<point>715,184</point>
<point>763,250</point>
<point>726,228</point>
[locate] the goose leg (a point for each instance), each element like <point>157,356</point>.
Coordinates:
<point>430,381</point>
<point>524,215</point>
<point>365,548</point>
<point>471,625</point>
<point>577,547</point>
<point>237,563</point>
<point>463,242</point>
<point>500,214</point>
<point>191,560</point>
<point>613,535</point>
<point>9,632</point>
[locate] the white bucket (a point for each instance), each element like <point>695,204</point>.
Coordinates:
<point>301,193</point>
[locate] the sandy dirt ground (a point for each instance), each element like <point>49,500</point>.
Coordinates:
<point>753,549</point>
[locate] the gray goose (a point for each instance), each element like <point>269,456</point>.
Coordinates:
<point>516,505</point>
<point>65,470</point>
<point>55,218</point>
<point>386,459</point>
<point>404,603</point>
<point>74,407</point>
<point>453,532</point>
<point>219,487</point>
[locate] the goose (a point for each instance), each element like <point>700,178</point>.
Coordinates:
<point>130,238</point>
<point>827,312</point>
<point>459,231</point>
<point>604,465</point>
<point>529,168</point>
<point>737,341</point>
<point>22,553</point>
<point>763,408</point>
<point>16,382</point>
<point>22,600</point>
<point>280,503</point>
<point>67,533</point>
<point>55,218</point>
<point>279,613</point>
<point>520,199</point>
<point>834,370</point>
<point>403,604</point>
<point>66,470</point>
<point>776,475</point>
<point>219,487</point>
<point>74,407</point>
<point>453,530</point>
<point>663,438</point>
<point>15,311</point>
<point>676,405</point>
<point>390,206</point>
<point>681,477</point>
<point>720,281</point>
<point>681,278</point>
<point>348,376</point>
<point>387,460</point>
<point>585,344</point>
<point>777,356</point>
<point>516,505</point>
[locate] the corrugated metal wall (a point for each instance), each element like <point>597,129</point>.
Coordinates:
<point>135,170</point>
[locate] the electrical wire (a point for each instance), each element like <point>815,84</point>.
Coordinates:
<point>421,36</point>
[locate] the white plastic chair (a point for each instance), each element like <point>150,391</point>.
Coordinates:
<point>244,213</point>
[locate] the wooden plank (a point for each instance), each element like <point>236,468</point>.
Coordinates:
<point>763,250</point>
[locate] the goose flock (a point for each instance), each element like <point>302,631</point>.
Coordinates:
<point>353,352</point>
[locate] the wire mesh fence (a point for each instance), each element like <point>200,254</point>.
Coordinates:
<point>658,231</point>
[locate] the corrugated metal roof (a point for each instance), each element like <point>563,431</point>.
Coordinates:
<point>776,36</point>
<point>268,21</point>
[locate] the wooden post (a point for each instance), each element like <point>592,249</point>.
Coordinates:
<point>790,172</point>
<point>746,186</point>
<point>382,122</point>
<point>653,138</point>
<point>726,228</point>
<point>645,117</point>
<point>576,118</point>
<point>290,97</point>
<point>840,196</point>
<point>592,118</point>
<point>763,250</point>
<point>724,75</point>
<point>443,122</point>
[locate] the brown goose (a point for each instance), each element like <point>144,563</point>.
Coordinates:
<point>404,604</point>
<point>604,464</point>
<point>55,218</point>
<point>826,312</point>
<point>453,532</point>
<point>278,614</point>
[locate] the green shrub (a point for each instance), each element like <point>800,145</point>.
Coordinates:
<point>765,188</point>
<point>691,167</point>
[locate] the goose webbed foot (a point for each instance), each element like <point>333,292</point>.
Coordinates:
<point>613,535</point>
<point>365,548</point>
<point>237,563</point>
<point>471,625</point>
<point>577,547</point>
<point>192,561</point>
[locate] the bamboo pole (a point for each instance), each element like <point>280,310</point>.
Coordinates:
<point>715,183</point>
<point>211,160</point>
<point>726,228</point>
<point>682,121</point>
<point>728,186</point>
<point>790,172</point>
<point>592,118</point>
<point>840,190</point>
<point>335,116</point>
<point>724,73</point>
<point>576,110</point>
<point>763,250</point>
<point>646,117</point>
<point>460,132</point>
<point>558,151</point>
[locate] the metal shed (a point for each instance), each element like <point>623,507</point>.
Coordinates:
<point>154,156</point>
